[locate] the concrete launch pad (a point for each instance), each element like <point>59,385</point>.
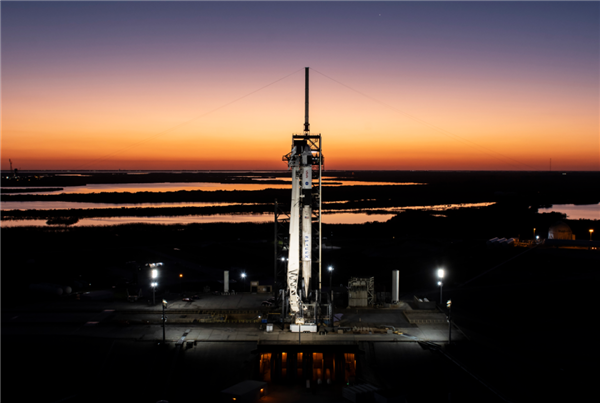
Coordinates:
<point>223,318</point>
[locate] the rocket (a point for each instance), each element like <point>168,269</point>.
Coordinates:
<point>300,245</point>
<point>294,247</point>
<point>306,175</point>
<point>300,241</point>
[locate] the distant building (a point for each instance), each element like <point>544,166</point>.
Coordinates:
<point>560,230</point>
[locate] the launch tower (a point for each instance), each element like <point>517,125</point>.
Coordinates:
<point>305,160</point>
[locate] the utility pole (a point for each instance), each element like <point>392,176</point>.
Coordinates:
<point>331,300</point>
<point>449,305</point>
<point>275,260</point>
<point>164,319</point>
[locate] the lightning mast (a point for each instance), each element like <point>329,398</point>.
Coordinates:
<point>305,161</point>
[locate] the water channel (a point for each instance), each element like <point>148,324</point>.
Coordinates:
<point>205,186</point>
<point>348,216</point>
<point>574,212</point>
<point>340,218</point>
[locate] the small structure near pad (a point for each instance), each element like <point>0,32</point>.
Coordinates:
<point>361,292</point>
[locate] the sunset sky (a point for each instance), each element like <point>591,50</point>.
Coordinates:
<point>393,85</point>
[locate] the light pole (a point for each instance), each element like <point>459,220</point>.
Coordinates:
<point>440,274</point>
<point>154,284</point>
<point>244,282</point>
<point>449,305</point>
<point>591,232</point>
<point>331,291</point>
<point>534,234</point>
<point>164,319</point>
<point>181,282</point>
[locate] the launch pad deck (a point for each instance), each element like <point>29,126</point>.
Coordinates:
<point>227,318</point>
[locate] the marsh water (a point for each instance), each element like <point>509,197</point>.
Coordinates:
<point>339,216</point>
<point>204,186</point>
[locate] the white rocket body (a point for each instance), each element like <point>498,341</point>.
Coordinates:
<point>294,247</point>
<point>300,245</point>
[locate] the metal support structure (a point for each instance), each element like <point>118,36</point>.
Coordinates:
<point>371,298</point>
<point>361,291</point>
<point>281,250</point>
<point>281,247</point>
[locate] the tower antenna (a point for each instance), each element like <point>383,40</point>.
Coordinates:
<point>306,124</point>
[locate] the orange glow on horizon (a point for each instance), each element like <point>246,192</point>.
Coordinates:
<point>125,128</point>
<point>69,140</point>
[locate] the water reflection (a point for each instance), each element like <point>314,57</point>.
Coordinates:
<point>334,181</point>
<point>354,218</point>
<point>575,212</point>
<point>160,187</point>
<point>60,205</point>
<point>340,218</point>
<point>205,186</point>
